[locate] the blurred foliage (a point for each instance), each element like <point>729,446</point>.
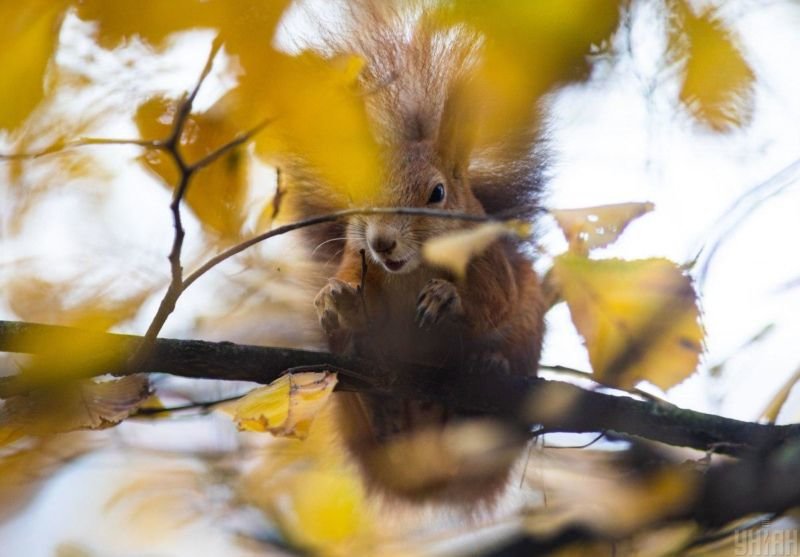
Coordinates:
<point>639,319</point>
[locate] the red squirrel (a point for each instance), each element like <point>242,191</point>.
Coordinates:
<point>413,81</point>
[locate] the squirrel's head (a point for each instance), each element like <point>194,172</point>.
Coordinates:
<point>419,176</point>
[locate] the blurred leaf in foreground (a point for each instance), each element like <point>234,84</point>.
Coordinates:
<point>530,48</point>
<point>453,251</point>
<point>718,81</point>
<point>639,319</point>
<point>28,38</point>
<point>86,404</point>
<point>597,227</point>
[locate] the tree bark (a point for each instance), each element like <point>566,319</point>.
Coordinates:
<point>529,401</point>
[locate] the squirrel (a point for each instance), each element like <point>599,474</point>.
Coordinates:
<point>414,78</point>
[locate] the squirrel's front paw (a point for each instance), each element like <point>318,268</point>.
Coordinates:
<point>338,306</point>
<point>438,301</point>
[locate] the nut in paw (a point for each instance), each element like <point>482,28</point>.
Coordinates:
<point>338,306</point>
<point>438,301</point>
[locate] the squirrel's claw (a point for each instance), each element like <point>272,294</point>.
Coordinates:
<point>337,306</point>
<point>437,301</point>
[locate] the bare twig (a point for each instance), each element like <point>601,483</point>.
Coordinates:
<point>322,219</point>
<point>741,209</point>
<point>203,406</point>
<point>81,142</point>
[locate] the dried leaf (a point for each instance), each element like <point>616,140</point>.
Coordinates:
<point>28,38</point>
<point>26,469</point>
<point>161,498</point>
<point>639,319</point>
<point>287,406</point>
<point>453,251</point>
<point>86,404</point>
<point>717,78</point>
<point>597,227</point>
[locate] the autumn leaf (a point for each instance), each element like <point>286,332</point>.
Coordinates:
<point>639,319</point>
<point>218,192</point>
<point>530,48</point>
<point>28,37</point>
<point>314,494</point>
<point>84,404</point>
<point>318,119</point>
<point>151,20</point>
<point>326,509</point>
<point>454,250</point>
<point>597,227</point>
<point>245,24</point>
<point>33,298</point>
<point>717,80</point>
<point>287,406</point>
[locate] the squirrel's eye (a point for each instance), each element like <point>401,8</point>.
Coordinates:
<point>437,195</point>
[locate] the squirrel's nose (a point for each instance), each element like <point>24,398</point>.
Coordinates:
<point>382,244</point>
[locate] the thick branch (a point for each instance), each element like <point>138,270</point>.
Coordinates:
<point>527,399</point>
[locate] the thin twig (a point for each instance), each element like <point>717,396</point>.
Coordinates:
<point>203,406</point>
<point>744,206</point>
<point>171,145</point>
<point>238,141</point>
<point>330,217</point>
<point>82,142</point>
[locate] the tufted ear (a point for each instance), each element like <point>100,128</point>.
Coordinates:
<point>456,134</point>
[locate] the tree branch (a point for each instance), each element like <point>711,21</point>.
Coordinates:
<point>557,406</point>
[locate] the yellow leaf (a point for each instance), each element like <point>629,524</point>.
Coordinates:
<point>530,48</point>
<point>28,37</point>
<point>717,78</point>
<point>32,298</point>
<point>85,404</point>
<point>318,116</point>
<point>639,319</point>
<point>453,251</point>
<point>26,467</point>
<point>287,406</point>
<point>217,193</point>
<point>597,227</point>
<point>247,22</point>
<point>326,509</point>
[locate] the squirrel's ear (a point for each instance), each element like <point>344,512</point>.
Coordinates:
<point>456,132</point>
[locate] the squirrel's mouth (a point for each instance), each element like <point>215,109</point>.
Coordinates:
<point>394,265</point>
